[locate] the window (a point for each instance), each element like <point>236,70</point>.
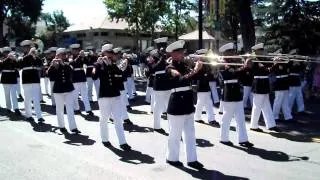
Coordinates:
<point>81,35</point>
<point>96,34</point>
<point>104,33</point>
<point>123,34</point>
<point>66,36</point>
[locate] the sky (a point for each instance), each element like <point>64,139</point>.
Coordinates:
<point>76,11</point>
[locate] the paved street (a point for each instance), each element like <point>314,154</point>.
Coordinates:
<point>38,152</point>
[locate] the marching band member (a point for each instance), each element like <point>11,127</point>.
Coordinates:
<point>52,51</point>
<point>31,81</point>
<point>9,70</point>
<point>121,78</point>
<point>261,90</point>
<point>161,89</point>
<point>109,96</point>
<point>79,79</point>
<point>61,73</point>
<point>246,79</point>
<point>204,94</point>
<point>90,60</point>
<point>281,88</point>
<point>295,88</point>
<point>232,102</point>
<point>180,108</point>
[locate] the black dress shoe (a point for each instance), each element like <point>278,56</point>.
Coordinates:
<point>77,112</point>
<point>195,165</point>
<point>200,121</point>
<point>9,111</point>
<point>214,124</point>
<point>246,144</point>
<point>20,97</point>
<point>276,129</point>
<point>90,113</point>
<point>76,131</point>
<point>42,102</point>
<point>129,108</point>
<point>41,120</point>
<point>111,120</point>
<point>127,121</point>
<point>216,105</point>
<point>220,113</point>
<point>175,163</point>
<point>161,131</point>
<point>228,143</point>
<point>125,147</point>
<point>63,130</point>
<point>17,112</point>
<point>106,144</point>
<point>256,129</point>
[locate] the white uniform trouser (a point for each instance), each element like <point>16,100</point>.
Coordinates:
<point>18,86</point>
<point>148,93</point>
<point>126,92</point>
<point>124,101</point>
<point>161,99</point>
<point>131,88</point>
<point>111,106</point>
<point>295,95</point>
<point>221,106</point>
<point>68,100</point>
<point>281,101</point>
<point>204,100</point>
<point>140,70</point>
<point>32,94</point>
<point>46,85</point>
<point>247,95</point>
<point>90,83</point>
<point>10,95</point>
<point>213,87</point>
<point>83,90</point>
<point>135,70</point>
<point>52,97</point>
<point>261,102</point>
<point>230,110</point>
<point>177,125</point>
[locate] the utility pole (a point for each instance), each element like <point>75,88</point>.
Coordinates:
<point>218,28</point>
<point>200,24</point>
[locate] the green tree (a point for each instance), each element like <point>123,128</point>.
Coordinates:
<point>28,10</point>
<point>291,24</point>
<point>56,23</point>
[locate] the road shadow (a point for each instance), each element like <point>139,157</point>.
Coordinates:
<point>132,156</point>
<point>209,174</point>
<point>277,156</point>
<point>136,128</point>
<point>135,111</point>
<point>93,118</point>
<point>78,139</point>
<point>203,143</point>
<point>43,127</point>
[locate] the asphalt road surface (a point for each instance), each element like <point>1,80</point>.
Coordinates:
<point>37,152</point>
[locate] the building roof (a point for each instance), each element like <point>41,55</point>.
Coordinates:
<point>195,36</point>
<point>98,23</point>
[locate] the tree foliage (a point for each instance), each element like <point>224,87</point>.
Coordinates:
<point>290,24</point>
<point>56,21</point>
<point>20,14</point>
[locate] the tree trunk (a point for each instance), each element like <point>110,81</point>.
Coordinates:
<point>246,25</point>
<point>2,16</point>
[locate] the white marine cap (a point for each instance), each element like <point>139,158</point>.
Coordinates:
<point>161,40</point>
<point>6,49</point>
<point>175,46</point>
<point>89,47</point>
<point>74,46</point>
<point>47,51</point>
<point>154,52</point>
<point>52,49</point>
<point>33,50</point>
<point>201,51</point>
<point>107,47</point>
<point>26,43</point>
<point>226,47</point>
<point>293,52</point>
<point>60,51</point>
<point>258,46</point>
<point>117,50</point>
